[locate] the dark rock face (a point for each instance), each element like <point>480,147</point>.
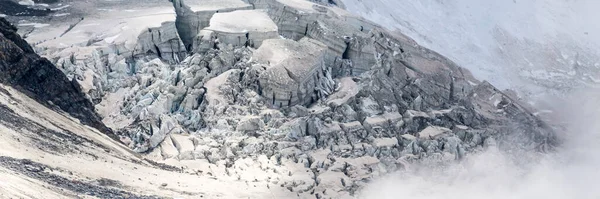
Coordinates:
<point>22,68</point>
<point>13,8</point>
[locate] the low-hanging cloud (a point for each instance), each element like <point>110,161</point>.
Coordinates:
<point>571,171</point>
<point>543,49</point>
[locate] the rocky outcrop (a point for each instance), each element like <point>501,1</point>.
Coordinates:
<point>21,67</point>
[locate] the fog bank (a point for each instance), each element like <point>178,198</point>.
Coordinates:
<point>545,50</point>
<point>571,171</point>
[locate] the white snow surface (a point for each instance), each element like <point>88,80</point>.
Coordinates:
<point>112,27</point>
<point>208,5</point>
<point>27,2</point>
<point>505,42</point>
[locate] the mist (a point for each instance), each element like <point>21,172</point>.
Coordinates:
<point>547,51</point>
<point>572,170</point>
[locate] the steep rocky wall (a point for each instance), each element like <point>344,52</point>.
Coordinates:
<point>21,67</point>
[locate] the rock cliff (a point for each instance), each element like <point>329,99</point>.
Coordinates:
<point>21,67</point>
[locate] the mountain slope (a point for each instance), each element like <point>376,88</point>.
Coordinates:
<point>308,100</point>
<point>21,67</point>
<point>537,48</point>
<point>45,154</point>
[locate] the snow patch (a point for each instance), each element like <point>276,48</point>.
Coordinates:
<point>61,14</point>
<point>110,40</point>
<point>60,8</point>
<point>35,25</point>
<point>27,2</point>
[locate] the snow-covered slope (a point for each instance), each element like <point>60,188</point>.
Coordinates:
<point>310,101</point>
<point>534,47</point>
<point>538,48</point>
<point>47,154</point>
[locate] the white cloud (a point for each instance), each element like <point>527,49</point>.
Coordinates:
<point>570,172</point>
<point>527,45</point>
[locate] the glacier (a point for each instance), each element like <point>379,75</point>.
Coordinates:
<point>299,98</point>
<point>529,46</point>
<point>547,51</point>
